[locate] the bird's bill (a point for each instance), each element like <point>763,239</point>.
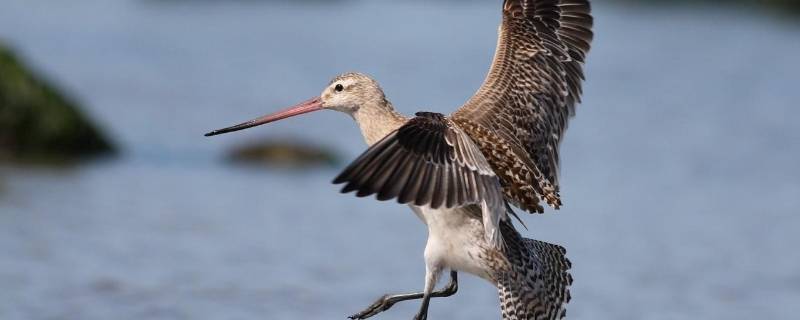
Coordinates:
<point>304,107</point>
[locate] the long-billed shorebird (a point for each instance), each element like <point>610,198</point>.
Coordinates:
<point>458,173</point>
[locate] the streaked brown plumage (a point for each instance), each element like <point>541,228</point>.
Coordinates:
<point>535,283</point>
<point>517,120</point>
<point>519,115</point>
<point>458,173</point>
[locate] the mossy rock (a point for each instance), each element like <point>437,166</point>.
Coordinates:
<point>39,123</point>
<point>283,153</point>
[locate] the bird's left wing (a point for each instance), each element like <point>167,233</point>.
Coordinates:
<point>431,162</point>
<point>519,115</point>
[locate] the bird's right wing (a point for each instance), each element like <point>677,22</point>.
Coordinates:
<point>429,162</point>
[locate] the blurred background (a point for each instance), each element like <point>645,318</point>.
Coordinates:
<point>679,173</point>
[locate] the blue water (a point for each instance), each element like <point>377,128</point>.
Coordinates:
<point>679,173</point>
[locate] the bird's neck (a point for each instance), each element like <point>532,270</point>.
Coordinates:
<point>378,120</point>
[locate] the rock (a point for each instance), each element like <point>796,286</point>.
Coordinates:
<point>39,123</point>
<point>284,153</point>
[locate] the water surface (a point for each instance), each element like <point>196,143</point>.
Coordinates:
<point>679,174</point>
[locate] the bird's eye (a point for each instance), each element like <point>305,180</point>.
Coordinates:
<point>339,88</point>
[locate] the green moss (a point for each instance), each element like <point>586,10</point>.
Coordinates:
<point>37,122</point>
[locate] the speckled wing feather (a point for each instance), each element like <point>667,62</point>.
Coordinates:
<point>429,162</point>
<point>519,116</point>
<point>535,284</point>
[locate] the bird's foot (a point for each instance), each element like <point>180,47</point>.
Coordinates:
<point>381,305</point>
<point>421,316</point>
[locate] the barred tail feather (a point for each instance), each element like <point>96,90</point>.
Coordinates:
<point>536,286</point>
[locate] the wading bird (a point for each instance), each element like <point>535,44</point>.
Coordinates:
<point>459,173</point>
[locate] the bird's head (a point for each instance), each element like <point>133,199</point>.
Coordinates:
<point>349,93</point>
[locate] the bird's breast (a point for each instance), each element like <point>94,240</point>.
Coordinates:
<point>455,240</point>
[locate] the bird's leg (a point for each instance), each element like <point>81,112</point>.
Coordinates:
<point>387,301</point>
<point>431,276</point>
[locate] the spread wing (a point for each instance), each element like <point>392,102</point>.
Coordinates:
<point>429,162</point>
<point>519,116</point>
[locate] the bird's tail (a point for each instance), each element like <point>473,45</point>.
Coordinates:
<point>535,286</point>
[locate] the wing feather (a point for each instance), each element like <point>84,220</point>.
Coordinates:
<point>431,162</point>
<point>529,95</point>
<point>400,178</point>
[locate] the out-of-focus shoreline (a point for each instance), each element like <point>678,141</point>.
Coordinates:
<point>787,7</point>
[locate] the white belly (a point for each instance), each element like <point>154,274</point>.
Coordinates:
<point>455,240</point>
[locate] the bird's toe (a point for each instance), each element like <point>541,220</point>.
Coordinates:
<point>382,304</point>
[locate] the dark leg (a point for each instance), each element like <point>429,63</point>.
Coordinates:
<point>431,276</point>
<point>387,301</point>
<point>423,310</point>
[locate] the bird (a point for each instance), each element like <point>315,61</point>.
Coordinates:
<point>463,173</point>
